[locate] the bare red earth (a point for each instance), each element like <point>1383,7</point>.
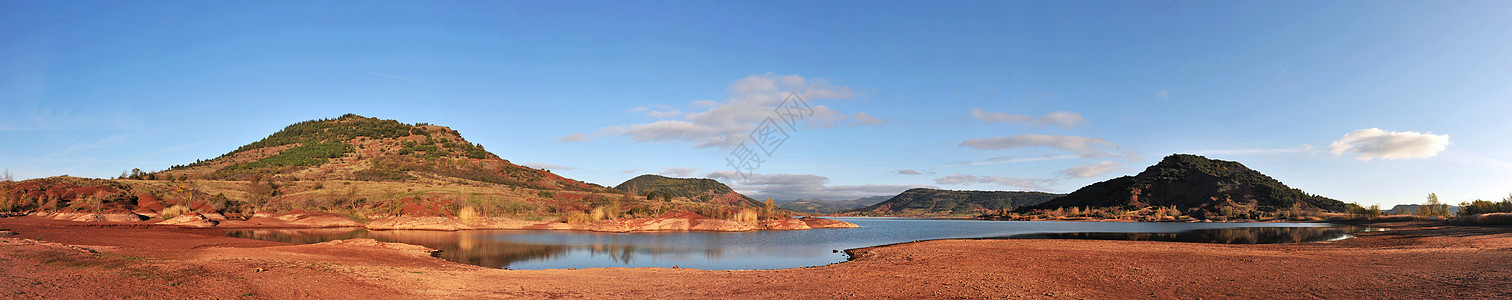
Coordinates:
<point>1414,260</point>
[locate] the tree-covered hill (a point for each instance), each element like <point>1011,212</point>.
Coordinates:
<point>353,147</point>
<point>690,189</point>
<point>1194,185</point>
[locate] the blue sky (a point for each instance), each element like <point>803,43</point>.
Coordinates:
<point>1363,101</point>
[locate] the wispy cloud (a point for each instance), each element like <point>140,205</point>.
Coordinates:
<point>909,172</point>
<point>574,138</point>
<point>1164,95</point>
<point>1059,118</point>
<point>1011,159</point>
<point>862,118</point>
<point>658,111</point>
<point>1373,143</point>
<point>677,171</point>
<point>724,124</point>
<point>1092,170</point>
<point>1083,146</point>
<point>1027,183</point>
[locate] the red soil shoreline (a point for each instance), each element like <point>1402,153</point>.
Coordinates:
<point>1414,260</point>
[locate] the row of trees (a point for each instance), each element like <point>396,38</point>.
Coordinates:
<point>1484,207</point>
<point>1433,207</point>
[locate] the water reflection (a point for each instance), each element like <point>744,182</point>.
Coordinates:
<point>481,248</point>
<point>1243,235</point>
<point>553,249</point>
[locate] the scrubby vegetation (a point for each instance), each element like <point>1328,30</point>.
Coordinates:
<point>302,155</point>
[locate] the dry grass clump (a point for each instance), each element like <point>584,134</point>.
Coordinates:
<point>578,217</point>
<point>748,216</point>
<point>174,211</point>
<point>468,215</point>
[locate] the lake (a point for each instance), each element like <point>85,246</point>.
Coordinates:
<point>560,249</point>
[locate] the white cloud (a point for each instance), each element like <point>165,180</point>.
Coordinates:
<point>726,123</point>
<point>1027,183</point>
<point>657,111</point>
<point>909,172</point>
<point>1082,146</point>
<point>804,186</point>
<point>956,179</point>
<point>631,171</point>
<point>1166,95</point>
<point>1010,159</point>
<point>678,172</point>
<point>1373,143</point>
<point>863,118</point>
<point>665,114</point>
<point>546,166</point>
<point>573,138</point>
<point>1092,170</point>
<point>1059,118</point>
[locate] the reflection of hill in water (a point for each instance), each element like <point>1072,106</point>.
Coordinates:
<point>480,248</point>
<point>1245,235</point>
<point>471,248</point>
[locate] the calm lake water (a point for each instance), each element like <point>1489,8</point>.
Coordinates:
<point>559,249</point>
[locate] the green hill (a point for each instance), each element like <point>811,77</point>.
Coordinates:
<point>922,201</point>
<point>354,147</point>
<point>817,206</point>
<point>688,189</point>
<point>1196,186</point>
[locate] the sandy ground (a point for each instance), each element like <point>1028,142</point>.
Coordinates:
<point>55,259</point>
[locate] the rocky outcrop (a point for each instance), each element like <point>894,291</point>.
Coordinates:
<point>720,225</point>
<point>785,224</point>
<point>827,223</point>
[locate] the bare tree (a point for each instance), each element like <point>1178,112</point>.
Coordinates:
<point>7,176</point>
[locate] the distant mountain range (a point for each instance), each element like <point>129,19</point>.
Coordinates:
<point>1193,184</point>
<point>937,202</point>
<point>1411,209</point>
